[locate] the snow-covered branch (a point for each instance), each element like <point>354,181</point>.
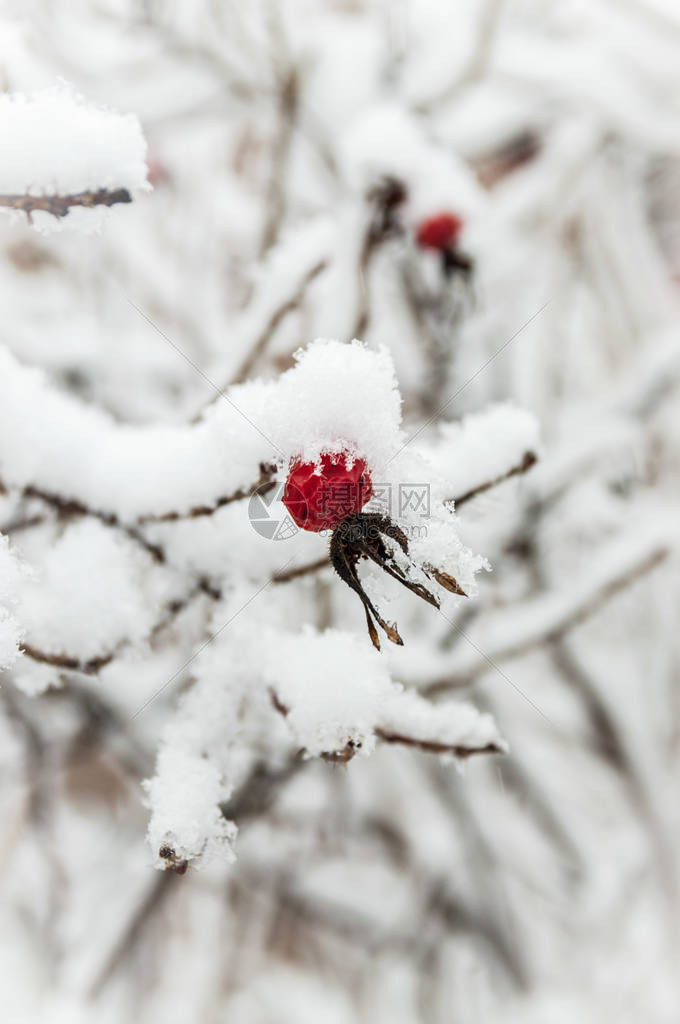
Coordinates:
<point>61,155</point>
<point>337,699</point>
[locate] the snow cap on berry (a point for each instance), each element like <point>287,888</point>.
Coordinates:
<point>338,399</point>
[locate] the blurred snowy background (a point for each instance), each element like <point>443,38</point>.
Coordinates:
<point>539,885</point>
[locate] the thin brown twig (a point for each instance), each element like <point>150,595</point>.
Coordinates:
<point>67,508</point>
<point>528,460</point>
<point>277,316</point>
<point>385,198</point>
<point>157,892</point>
<point>68,662</point>
<point>301,570</point>
<point>363,931</point>
<point>91,666</point>
<point>347,752</point>
<point>25,523</point>
<point>60,206</point>
<point>275,203</point>
<point>435,746</point>
<point>263,484</point>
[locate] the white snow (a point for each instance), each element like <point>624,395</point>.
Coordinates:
<point>184,796</point>
<point>338,396</point>
<point>67,447</point>
<point>191,777</point>
<point>93,592</point>
<point>482,446</point>
<point>450,723</point>
<point>54,143</point>
<point>333,685</point>
<point>11,573</point>
<point>336,690</point>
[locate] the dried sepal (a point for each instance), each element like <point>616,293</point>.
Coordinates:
<point>363,535</point>
<point>445,580</point>
<point>345,551</point>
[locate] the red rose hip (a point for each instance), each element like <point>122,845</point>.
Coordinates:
<point>440,231</point>
<point>319,496</point>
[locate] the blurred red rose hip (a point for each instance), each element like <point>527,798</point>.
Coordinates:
<point>440,231</point>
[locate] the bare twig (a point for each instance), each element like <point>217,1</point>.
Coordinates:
<point>385,198</point>
<point>67,508</point>
<point>67,661</point>
<point>346,753</point>
<point>156,894</point>
<point>512,154</point>
<point>279,314</point>
<point>60,206</point>
<point>528,460</point>
<point>257,793</point>
<point>23,523</point>
<point>288,575</point>
<point>263,484</point>
<point>436,747</point>
<point>361,930</point>
<point>275,203</point>
<point>91,666</point>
